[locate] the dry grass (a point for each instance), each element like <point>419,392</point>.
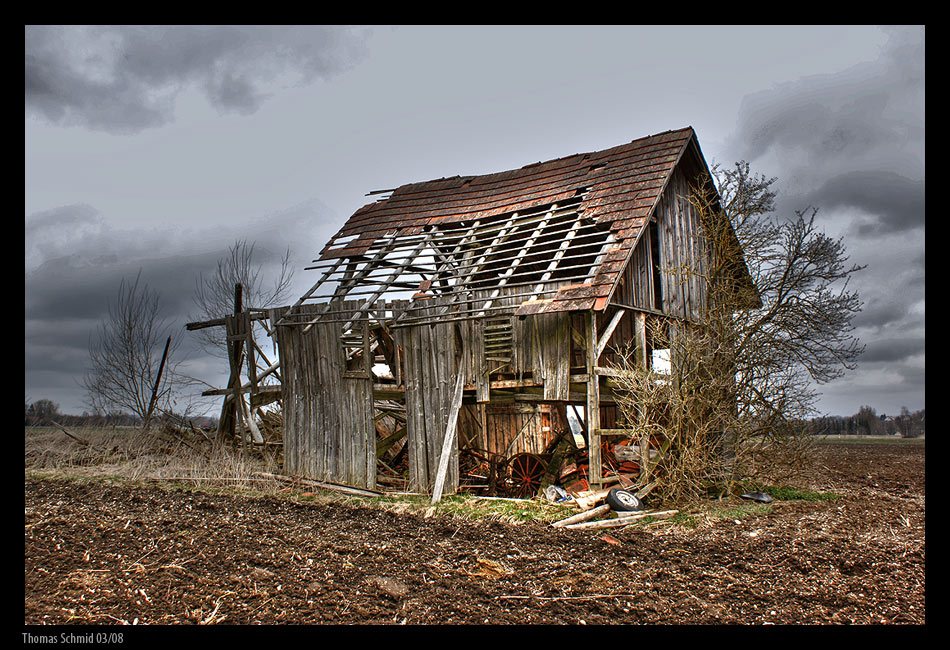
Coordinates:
<point>134,455</point>
<point>189,461</point>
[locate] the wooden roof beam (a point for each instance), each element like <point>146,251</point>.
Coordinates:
<point>514,264</point>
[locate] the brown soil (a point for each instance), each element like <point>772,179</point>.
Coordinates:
<point>97,553</point>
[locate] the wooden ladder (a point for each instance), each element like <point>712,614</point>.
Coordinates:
<point>498,341</point>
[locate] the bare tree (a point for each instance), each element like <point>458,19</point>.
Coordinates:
<point>776,322</point>
<point>132,344</point>
<point>44,410</point>
<point>214,294</point>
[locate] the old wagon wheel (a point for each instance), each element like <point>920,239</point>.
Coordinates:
<point>526,472</point>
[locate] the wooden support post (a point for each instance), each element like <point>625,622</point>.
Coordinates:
<point>229,409</point>
<point>642,339</point>
<point>158,381</point>
<point>594,476</point>
<point>367,350</point>
<point>605,337</point>
<point>449,437</point>
<point>644,365</point>
<point>251,360</point>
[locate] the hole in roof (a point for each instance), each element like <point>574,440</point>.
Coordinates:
<point>340,241</point>
<point>596,166</point>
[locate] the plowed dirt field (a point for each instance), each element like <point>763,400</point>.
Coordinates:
<point>97,553</point>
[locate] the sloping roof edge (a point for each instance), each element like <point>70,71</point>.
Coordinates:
<point>692,140</point>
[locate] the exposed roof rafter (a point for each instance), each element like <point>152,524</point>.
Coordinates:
<point>551,236</point>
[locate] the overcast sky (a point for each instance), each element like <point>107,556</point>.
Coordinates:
<point>153,149</point>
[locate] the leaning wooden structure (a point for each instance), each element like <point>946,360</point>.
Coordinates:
<point>479,316</point>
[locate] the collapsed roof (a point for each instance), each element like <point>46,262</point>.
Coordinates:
<point>548,237</point>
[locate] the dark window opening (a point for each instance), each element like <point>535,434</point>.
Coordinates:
<point>655,257</point>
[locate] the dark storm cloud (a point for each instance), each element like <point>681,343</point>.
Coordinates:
<point>891,350</point>
<point>850,139</point>
<point>72,286</point>
<point>878,313</point>
<point>126,79</point>
<point>75,261</point>
<point>842,114</point>
<point>913,377</point>
<point>895,201</point>
<point>851,144</point>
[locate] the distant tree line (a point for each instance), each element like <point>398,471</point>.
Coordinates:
<point>43,412</point>
<point>867,422</point>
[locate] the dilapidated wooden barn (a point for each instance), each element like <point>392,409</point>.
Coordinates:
<point>476,317</point>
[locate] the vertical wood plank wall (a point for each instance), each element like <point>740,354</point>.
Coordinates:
<point>524,421</point>
<point>680,247</point>
<point>433,359</point>
<point>327,416</point>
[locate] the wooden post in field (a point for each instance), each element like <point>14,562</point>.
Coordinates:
<point>229,409</point>
<point>158,381</point>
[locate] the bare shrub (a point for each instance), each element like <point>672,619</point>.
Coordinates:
<point>128,355</point>
<point>214,294</point>
<point>774,323</point>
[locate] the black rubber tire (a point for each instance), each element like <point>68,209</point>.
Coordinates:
<point>623,500</point>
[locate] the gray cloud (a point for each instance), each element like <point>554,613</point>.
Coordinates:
<point>126,79</point>
<point>894,202</point>
<point>76,261</point>
<point>893,350</point>
<point>855,112</point>
<point>851,143</point>
<point>849,139</point>
<point>913,377</point>
<point>878,313</point>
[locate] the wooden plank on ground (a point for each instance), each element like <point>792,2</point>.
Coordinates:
<point>582,516</point>
<point>625,520</point>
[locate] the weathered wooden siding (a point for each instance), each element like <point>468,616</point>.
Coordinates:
<point>679,251</point>
<point>327,412</point>
<point>636,283</point>
<point>550,336</point>
<point>516,428</point>
<point>432,359</point>
<point>680,245</point>
<point>539,344</point>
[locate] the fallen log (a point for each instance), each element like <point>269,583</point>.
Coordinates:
<point>345,489</point>
<point>621,521</point>
<point>582,516</point>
